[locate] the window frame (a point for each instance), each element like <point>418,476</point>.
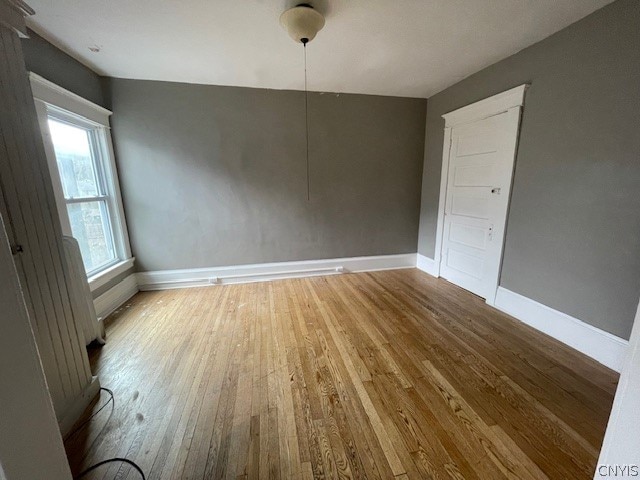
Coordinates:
<point>104,194</point>
<point>61,105</point>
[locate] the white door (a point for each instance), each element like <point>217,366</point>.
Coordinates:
<point>478,185</point>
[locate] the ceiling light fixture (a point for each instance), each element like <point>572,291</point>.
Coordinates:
<point>303,23</point>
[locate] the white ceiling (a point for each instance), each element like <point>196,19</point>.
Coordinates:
<point>388,47</point>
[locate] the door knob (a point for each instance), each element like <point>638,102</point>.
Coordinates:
<point>496,190</point>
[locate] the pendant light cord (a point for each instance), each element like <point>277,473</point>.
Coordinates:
<point>306,118</point>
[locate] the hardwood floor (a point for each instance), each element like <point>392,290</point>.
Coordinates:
<point>373,375</point>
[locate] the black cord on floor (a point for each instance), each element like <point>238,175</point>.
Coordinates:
<point>82,425</point>
<point>111,460</point>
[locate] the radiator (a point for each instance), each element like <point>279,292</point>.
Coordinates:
<point>84,311</point>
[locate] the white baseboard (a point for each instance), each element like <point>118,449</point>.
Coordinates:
<point>79,405</point>
<point>115,296</point>
<point>198,277</point>
<point>597,344</point>
<point>427,265</point>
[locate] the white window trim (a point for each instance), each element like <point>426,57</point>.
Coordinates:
<point>108,274</point>
<point>48,95</point>
<point>53,94</point>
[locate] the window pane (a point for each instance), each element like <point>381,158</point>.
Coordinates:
<point>90,227</point>
<point>74,156</point>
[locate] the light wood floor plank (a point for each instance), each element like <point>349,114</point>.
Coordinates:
<point>381,375</point>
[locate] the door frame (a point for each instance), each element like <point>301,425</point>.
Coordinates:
<point>510,101</point>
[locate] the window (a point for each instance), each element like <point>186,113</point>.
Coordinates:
<point>86,196</point>
<point>77,141</point>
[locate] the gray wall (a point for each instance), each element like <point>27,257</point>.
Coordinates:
<point>573,233</point>
<point>56,66</point>
<point>215,176</point>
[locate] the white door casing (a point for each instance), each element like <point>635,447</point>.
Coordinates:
<point>477,170</point>
<point>621,446</point>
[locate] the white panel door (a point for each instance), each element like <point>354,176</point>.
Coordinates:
<point>477,198</point>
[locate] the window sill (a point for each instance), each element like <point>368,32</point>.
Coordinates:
<point>99,279</point>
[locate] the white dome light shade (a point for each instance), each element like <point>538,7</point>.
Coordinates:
<point>302,23</point>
